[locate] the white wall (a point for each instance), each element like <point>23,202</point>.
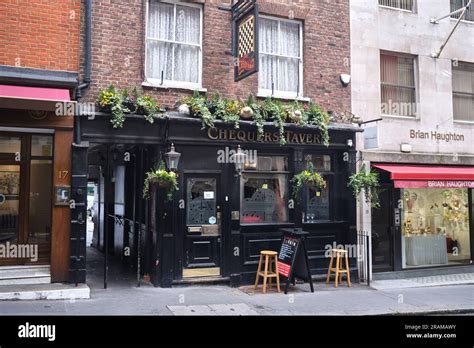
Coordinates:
<point>374,28</point>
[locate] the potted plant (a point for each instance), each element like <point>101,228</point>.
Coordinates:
<point>163,178</point>
<point>367,181</point>
<point>110,100</point>
<point>316,116</point>
<point>309,178</point>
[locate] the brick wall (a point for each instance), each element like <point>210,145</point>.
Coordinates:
<point>40,34</point>
<point>118,49</point>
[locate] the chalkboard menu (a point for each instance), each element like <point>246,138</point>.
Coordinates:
<point>293,259</point>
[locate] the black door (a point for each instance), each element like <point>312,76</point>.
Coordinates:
<point>382,246</point>
<point>203,226</point>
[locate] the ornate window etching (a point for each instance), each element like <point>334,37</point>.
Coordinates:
<point>318,204</point>
<point>201,201</point>
<point>264,198</point>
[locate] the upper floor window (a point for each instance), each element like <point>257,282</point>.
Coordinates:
<point>400,4</point>
<point>463,92</point>
<point>281,58</point>
<point>174,44</point>
<point>457,4</point>
<point>397,76</point>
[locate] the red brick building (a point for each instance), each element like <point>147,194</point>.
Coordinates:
<point>39,63</point>
<point>119,48</point>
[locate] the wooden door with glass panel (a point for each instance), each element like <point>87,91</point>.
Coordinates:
<point>203,226</point>
<point>26,165</point>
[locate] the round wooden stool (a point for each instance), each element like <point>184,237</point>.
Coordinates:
<point>339,270</point>
<point>269,273</point>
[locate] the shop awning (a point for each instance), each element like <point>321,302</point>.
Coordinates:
<point>33,98</point>
<point>410,176</point>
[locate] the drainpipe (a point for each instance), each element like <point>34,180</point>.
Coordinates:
<point>87,66</point>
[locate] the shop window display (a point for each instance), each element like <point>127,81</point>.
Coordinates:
<point>435,227</point>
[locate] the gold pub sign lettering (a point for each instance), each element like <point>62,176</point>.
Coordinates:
<point>267,137</point>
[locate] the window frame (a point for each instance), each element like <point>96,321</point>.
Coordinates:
<point>460,93</point>
<point>268,173</point>
<point>329,176</point>
<point>454,18</point>
<point>154,82</point>
<point>415,82</point>
<point>413,7</point>
<point>262,92</point>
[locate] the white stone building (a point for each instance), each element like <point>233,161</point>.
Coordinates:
<point>423,144</point>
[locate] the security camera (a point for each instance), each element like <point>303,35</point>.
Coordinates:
<point>345,79</point>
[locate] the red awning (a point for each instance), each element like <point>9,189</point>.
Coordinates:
<point>409,176</point>
<point>35,98</point>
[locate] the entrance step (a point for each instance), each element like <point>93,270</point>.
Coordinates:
<point>19,275</point>
<point>202,281</point>
<point>54,291</point>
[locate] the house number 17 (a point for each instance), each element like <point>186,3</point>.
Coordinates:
<point>63,174</point>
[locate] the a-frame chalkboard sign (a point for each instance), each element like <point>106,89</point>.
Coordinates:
<point>293,258</point>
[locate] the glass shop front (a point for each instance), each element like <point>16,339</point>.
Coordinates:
<point>431,209</point>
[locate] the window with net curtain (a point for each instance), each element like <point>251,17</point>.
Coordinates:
<point>398,88</point>
<point>463,92</point>
<point>173,44</point>
<point>280,64</point>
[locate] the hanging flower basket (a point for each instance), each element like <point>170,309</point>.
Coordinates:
<point>163,178</point>
<point>308,178</point>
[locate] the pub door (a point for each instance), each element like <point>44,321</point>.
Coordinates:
<point>382,232</point>
<point>26,169</point>
<point>202,241</point>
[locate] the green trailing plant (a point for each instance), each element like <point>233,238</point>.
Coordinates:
<point>111,100</point>
<point>198,106</point>
<point>274,110</point>
<point>119,103</point>
<point>163,178</point>
<point>369,183</point>
<point>296,113</point>
<point>258,116</point>
<point>316,116</point>
<point>308,177</point>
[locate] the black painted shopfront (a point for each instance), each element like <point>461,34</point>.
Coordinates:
<point>220,218</point>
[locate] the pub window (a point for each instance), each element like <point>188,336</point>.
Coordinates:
<point>281,58</point>
<point>264,191</point>
<point>463,92</point>
<point>201,201</point>
<point>318,201</point>
<point>457,4</point>
<point>174,44</point>
<point>398,88</point>
<point>407,5</point>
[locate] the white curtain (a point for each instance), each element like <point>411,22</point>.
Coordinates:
<point>178,56</point>
<point>279,44</point>
<point>463,92</point>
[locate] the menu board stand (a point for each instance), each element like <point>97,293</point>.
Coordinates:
<point>293,258</point>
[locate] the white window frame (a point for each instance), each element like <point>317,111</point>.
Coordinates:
<point>398,8</point>
<point>415,79</point>
<point>154,82</point>
<point>463,93</point>
<point>262,92</point>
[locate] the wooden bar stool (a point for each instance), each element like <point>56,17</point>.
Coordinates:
<point>269,272</point>
<point>339,270</point>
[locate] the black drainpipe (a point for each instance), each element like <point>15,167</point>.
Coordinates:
<point>87,67</point>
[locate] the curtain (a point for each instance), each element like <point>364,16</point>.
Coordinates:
<point>398,85</point>
<point>178,56</point>
<point>279,44</point>
<point>463,92</point>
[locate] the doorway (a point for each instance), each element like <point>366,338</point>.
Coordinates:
<point>202,242</point>
<point>382,237</point>
<point>26,169</point>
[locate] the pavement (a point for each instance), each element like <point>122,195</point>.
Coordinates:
<point>123,297</point>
